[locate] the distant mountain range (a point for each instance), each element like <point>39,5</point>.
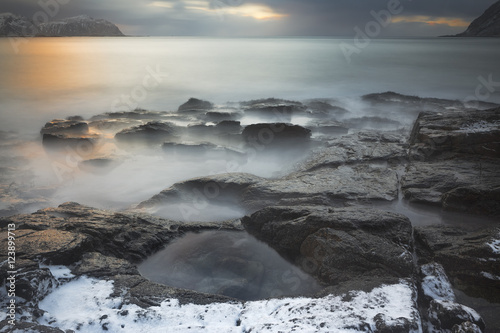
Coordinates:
<point>486,25</point>
<point>13,25</point>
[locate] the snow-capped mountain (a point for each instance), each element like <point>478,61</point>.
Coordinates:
<point>13,25</point>
<point>83,25</point>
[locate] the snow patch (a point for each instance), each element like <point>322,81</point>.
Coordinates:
<point>494,244</point>
<point>85,304</point>
<point>490,276</point>
<point>480,126</point>
<point>435,284</point>
<point>59,272</point>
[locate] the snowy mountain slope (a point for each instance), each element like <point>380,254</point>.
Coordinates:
<point>12,25</point>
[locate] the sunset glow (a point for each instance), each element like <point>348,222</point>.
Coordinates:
<point>258,12</point>
<point>255,11</point>
<point>450,21</point>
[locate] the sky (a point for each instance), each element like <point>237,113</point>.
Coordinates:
<point>262,18</point>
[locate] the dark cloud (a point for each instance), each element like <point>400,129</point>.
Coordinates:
<point>220,17</point>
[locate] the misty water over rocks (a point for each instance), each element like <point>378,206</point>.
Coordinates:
<point>262,199</point>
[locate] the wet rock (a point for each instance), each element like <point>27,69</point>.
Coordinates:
<point>194,104</point>
<point>466,327</point>
<point>389,97</point>
<point>276,132</point>
<point>217,116</point>
<point>470,258</point>
<point>338,245</point>
<point>229,126</point>
<point>98,265</point>
<point>32,283</point>
<point>454,159</point>
<point>444,315</point>
<point>72,126</point>
<point>137,290</point>
<point>342,173</point>
<point>62,235</point>
<point>55,246</point>
<point>225,188</point>
<point>362,147</point>
<point>154,132</point>
<point>325,186</point>
<point>447,134</point>
<point>272,109</point>
<point>137,114</point>
<point>323,109</point>
<point>383,325</point>
<point>113,125</point>
<point>84,146</point>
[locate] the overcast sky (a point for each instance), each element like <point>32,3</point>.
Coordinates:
<point>264,17</point>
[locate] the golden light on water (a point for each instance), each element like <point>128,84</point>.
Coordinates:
<point>53,65</point>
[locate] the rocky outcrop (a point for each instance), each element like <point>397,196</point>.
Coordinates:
<point>83,25</point>
<point>194,104</point>
<point>93,243</point>
<point>486,25</point>
<point>358,168</point>
<point>470,258</point>
<point>273,109</point>
<point>74,126</point>
<point>359,247</point>
<point>454,160</point>
<point>154,132</point>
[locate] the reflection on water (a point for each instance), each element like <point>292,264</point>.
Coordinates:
<point>232,264</point>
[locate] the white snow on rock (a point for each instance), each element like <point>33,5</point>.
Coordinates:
<point>435,283</point>
<point>490,276</point>
<point>494,244</point>
<point>59,272</point>
<point>84,304</point>
<point>480,126</point>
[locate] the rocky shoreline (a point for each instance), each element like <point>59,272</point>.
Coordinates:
<point>325,215</point>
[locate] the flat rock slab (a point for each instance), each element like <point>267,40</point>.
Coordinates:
<point>454,159</point>
<point>338,245</point>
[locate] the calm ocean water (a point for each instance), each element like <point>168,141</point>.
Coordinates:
<point>57,77</point>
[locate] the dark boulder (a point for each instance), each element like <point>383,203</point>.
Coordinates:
<point>275,134</point>
<point>194,104</point>
<point>72,126</point>
<point>154,132</point>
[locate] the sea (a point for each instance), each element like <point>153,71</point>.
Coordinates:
<point>46,78</point>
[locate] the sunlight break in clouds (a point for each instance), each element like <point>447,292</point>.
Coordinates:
<point>430,20</point>
<point>255,11</point>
